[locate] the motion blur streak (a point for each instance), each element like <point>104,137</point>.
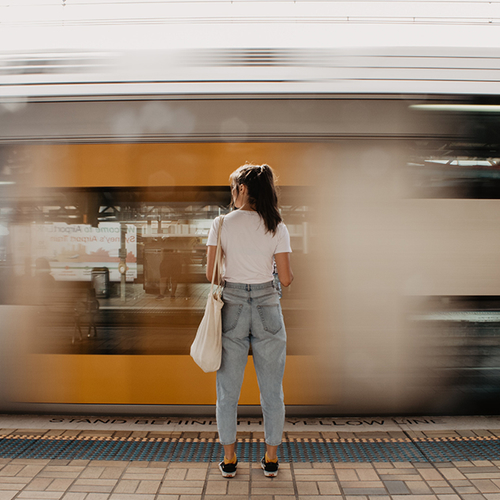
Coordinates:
<point>115,157</point>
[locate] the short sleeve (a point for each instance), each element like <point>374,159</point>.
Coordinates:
<point>214,231</point>
<point>283,236</point>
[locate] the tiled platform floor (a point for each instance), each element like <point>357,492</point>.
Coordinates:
<point>106,480</point>
<point>71,479</point>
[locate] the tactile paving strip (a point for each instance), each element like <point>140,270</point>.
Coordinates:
<point>453,449</point>
<point>250,450</point>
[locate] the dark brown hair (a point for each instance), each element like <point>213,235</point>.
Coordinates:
<point>262,193</point>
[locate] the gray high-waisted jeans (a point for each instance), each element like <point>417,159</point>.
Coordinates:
<point>251,315</point>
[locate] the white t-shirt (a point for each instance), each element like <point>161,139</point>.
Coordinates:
<point>248,249</point>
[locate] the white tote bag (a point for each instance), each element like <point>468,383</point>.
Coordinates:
<point>206,350</point>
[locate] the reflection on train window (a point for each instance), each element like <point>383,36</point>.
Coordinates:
<point>122,271</point>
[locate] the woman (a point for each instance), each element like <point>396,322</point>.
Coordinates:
<point>252,238</point>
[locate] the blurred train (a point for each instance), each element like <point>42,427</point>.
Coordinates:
<point>389,171</point>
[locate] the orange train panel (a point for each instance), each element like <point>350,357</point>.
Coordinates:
<point>169,379</point>
<point>170,164</point>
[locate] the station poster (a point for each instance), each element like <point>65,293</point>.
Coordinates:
<point>73,250</point>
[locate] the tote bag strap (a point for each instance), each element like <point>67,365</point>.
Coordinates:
<point>218,255</point>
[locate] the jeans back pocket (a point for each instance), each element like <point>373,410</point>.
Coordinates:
<point>230,315</point>
<point>271,318</point>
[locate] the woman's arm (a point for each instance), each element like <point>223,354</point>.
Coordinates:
<point>283,267</point>
<point>211,251</point>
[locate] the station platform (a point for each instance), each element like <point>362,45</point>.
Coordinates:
<point>161,458</point>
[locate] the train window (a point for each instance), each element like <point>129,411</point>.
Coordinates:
<point>122,270</point>
<point>455,177</point>
<point>466,164</point>
<point>455,340</point>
